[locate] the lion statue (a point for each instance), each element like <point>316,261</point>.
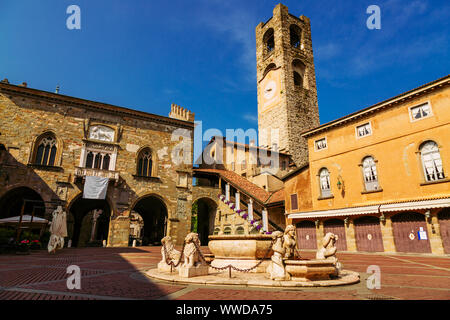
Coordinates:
<point>190,252</point>
<point>168,251</point>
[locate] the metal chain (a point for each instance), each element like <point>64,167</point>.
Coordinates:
<point>170,262</point>
<point>233,267</point>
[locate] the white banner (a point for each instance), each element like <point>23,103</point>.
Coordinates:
<point>95,188</point>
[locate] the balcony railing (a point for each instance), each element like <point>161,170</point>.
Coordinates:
<point>83,172</point>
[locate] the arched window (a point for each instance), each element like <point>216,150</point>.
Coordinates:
<point>370,174</point>
<point>299,69</point>
<point>295,35</point>
<point>46,150</point>
<point>431,161</point>
<point>98,160</point>
<point>227,230</point>
<point>324,182</point>
<point>89,159</point>
<point>106,160</point>
<point>269,41</point>
<point>298,80</point>
<point>144,167</point>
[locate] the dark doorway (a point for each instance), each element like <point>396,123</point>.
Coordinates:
<point>154,213</point>
<point>82,227</point>
<point>11,203</point>
<point>206,213</point>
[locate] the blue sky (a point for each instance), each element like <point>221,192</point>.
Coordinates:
<point>200,54</point>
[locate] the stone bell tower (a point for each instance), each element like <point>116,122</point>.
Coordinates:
<point>287,94</point>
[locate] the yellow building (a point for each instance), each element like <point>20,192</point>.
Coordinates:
<point>379,177</point>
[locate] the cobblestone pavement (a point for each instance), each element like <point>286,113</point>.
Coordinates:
<point>118,273</point>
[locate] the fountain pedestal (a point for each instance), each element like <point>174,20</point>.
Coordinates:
<point>241,251</point>
<point>307,270</point>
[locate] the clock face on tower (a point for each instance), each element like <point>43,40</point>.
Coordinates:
<point>270,90</point>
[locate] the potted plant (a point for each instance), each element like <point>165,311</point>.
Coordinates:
<point>23,247</point>
<point>35,245</point>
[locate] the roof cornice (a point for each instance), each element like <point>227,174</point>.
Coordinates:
<point>11,89</point>
<point>414,93</point>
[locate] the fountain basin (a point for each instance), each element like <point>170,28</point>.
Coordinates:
<point>241,251</point>
<point>311,269</point>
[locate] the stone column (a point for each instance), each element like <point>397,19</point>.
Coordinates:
<point>265,220</point>
<point>97,213</point>
<point>388,235</point>
<point>227,192</point>
<point>238,200</point>
<point>350,236</point>
<point>250,210</point>
<point>319,233</point>
<point>434,232</point>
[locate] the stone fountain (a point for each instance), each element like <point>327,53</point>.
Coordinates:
<point>256,260</point>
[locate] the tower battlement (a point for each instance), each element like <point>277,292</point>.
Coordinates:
<point>180,113</point>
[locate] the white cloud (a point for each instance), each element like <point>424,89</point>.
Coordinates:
<point>250,117</point>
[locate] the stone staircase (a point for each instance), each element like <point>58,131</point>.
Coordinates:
<point>240,217</point>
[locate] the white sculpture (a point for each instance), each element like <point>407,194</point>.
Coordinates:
<point>190,252</point>
<point>289,242</point>
<point>328,250</point>
<point>58,230</point>
<point>276,268</point>
<point>168,252</point>
<point>101,133</point>
<point>193,265</point>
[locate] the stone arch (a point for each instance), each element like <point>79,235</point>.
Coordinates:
<point>163,199</point>
<point>89,220</point>
<point>270,67</point>
<point>11,201</point>
<point>206,214</point>
<point>299,73</point>
<point>154,210</point>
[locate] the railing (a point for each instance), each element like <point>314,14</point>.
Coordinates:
<point>83,172</point>
<point>257,215</point>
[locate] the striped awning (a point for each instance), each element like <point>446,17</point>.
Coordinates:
<point>386,207</point>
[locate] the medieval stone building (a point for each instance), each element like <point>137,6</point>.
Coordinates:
<point>50,143</point>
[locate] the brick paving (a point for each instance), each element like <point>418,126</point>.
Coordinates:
<point>118,273</point>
